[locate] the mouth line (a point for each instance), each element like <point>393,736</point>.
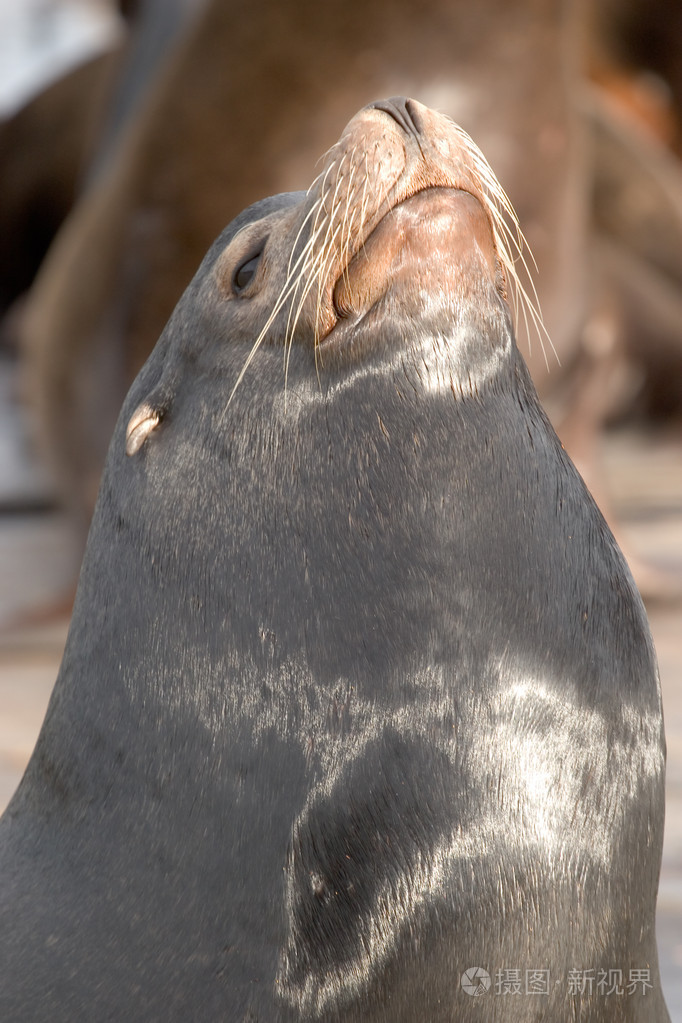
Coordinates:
<point>346,320</point>
<point>404,202</point>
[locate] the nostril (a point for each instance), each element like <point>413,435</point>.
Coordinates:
<point>404,112</point>
<point>412,110</point>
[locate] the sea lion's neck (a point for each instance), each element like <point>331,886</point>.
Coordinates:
<point>307,544</point>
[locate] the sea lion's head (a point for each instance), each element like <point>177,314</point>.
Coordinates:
<point>403,236</point>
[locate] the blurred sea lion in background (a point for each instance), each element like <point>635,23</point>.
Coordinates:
<point>44,150</point>
<point>58,142</point>
<point>635,119</point>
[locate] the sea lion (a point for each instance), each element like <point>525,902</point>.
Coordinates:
<point>359,698</point>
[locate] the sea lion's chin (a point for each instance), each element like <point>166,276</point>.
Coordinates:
<point>424,262</point>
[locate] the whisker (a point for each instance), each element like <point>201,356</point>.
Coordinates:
<point>288,288</point>
<point>347,224</point>
<point>328,243</point>
<point>309,274</point>
<point>511,244</point>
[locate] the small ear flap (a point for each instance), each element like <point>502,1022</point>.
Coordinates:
<point>142,422</point>
<point>150,412</point>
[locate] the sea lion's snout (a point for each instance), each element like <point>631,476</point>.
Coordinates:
<point>410,208</point>
<point>406,112</point>
<point>405,224</point>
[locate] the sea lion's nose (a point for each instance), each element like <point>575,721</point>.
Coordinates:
<point>404,111</point>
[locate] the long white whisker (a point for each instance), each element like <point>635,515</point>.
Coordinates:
<point>288,288</point>
<point>508,241</point>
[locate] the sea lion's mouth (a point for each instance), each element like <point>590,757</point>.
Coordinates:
<point>439,238</point>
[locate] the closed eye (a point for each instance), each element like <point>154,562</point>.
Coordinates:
<point>244,273</point>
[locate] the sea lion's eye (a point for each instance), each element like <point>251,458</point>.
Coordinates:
<point>244,273</point>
